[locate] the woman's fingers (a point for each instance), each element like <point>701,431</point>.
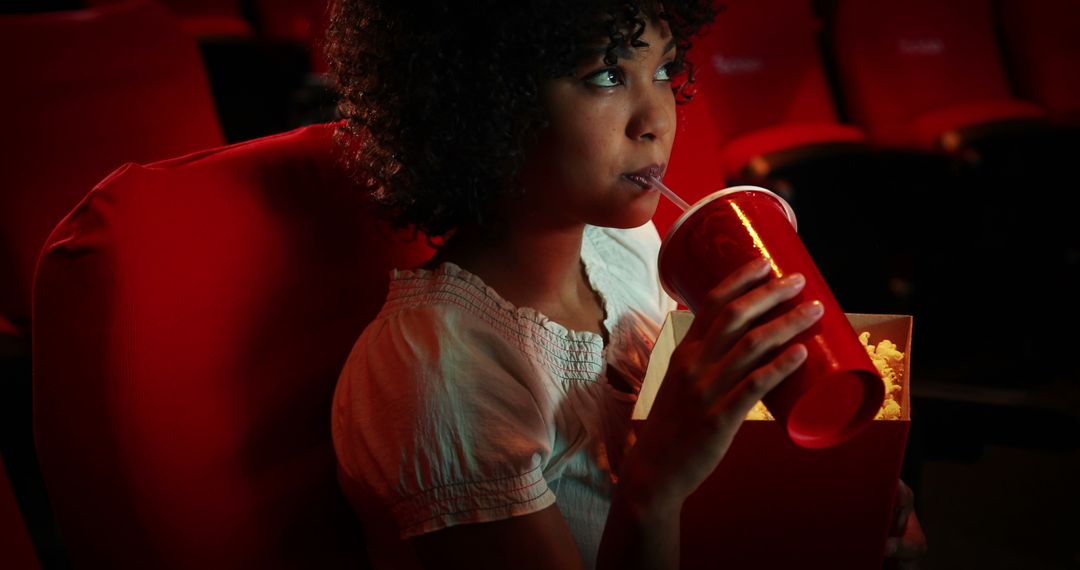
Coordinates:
<point>908,550</point>
<point>759,341</point>
<point>905,505</point>
<point>752,388</point>
<point>736,317</point>
<point>736,284</point>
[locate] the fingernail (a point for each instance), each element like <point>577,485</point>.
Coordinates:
<point>794,280</point>
<point>799,354</point>
<point>761,265</point>
<point>816,309</point>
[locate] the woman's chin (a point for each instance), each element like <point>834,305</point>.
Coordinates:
<point>636,213</point>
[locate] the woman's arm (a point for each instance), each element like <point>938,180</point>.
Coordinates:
<point>718,373</point>
<point>539,540</point>
<point>542,540</point>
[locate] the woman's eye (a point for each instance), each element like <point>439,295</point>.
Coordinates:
<point>665,72</point>
<point>604,78</point>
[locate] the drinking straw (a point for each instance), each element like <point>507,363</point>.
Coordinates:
<point>671,195</point>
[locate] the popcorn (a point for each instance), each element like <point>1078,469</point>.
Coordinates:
<point>759,412</point>
<point>890,364</point>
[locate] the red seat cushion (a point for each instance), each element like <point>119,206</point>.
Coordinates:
<point>86,101</point>
<point>1040,41</point>
<point>740,151</point>
<point>930,126</point>
<point>191,317</point>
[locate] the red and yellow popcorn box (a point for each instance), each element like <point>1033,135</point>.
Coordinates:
<point>773,504</point>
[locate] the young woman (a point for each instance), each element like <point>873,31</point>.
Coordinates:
<point>482,419</point>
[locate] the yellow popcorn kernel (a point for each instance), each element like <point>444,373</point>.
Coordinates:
<point>759,412</point>
<point>889,363</point>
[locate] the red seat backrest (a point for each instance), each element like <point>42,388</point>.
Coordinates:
<point>204,18</point>
<point>16,550</point>
<point>302,22</point>
<point>1042,48</point>
<point>761,67</point>
<point>899,62</point>
<point>191,319</point>
<point>90,90</point>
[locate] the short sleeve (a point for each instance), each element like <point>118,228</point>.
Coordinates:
<point>438,418</point>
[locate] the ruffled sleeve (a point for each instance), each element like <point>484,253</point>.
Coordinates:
<point>438,419</point>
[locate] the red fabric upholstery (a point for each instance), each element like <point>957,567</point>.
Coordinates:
<point>7,327</point>
<point>92,89</point>
<point>204,18</point>
<point>16,550</point>
<point>762,73</point>
<point>191,318</point>
<point>740,151</point>
<point>902,67</point>
<point>930,125</point>
<point>1040,37</point>
<point>302,22</point>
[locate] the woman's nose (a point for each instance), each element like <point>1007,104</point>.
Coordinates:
<point>653,114</point>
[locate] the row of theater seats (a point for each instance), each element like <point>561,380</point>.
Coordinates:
<point>264,58</point>
<point>787,79</point>
<point>905,138</point>
<point>299,21</point>
<point>189,315</point>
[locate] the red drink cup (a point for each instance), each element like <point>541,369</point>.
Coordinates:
<point>837,391</point>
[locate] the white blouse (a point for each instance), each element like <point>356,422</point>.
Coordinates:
<point>457,407</point>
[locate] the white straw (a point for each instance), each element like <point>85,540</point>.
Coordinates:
<point>671,195</point>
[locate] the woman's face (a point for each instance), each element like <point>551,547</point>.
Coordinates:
<point>609,125</point>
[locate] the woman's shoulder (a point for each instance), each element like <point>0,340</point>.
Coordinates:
<point>443,305</point>
<point>436,332</point>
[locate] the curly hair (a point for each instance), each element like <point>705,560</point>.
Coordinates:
<point>441,100</point>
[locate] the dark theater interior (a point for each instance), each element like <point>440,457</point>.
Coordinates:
<point>184,266</point>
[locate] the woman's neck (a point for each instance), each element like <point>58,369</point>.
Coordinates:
<point>531,266</point>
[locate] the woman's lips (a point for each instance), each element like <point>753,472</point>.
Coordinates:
<point>643,176</point>
<point>642,181</point>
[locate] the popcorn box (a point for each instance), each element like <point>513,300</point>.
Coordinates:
<point>772,504</point>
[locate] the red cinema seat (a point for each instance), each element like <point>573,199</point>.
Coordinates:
<point>204,18</point>
<point>921,74</point>
<point>88,91</point>
<point>762,73</point>
<point>1042,50</point>
<point>191,319</point>
<point>16,550</point>
<point>302,22</point>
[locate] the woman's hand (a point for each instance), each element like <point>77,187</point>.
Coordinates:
<point>722,368</point>
<point>907,543</point>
